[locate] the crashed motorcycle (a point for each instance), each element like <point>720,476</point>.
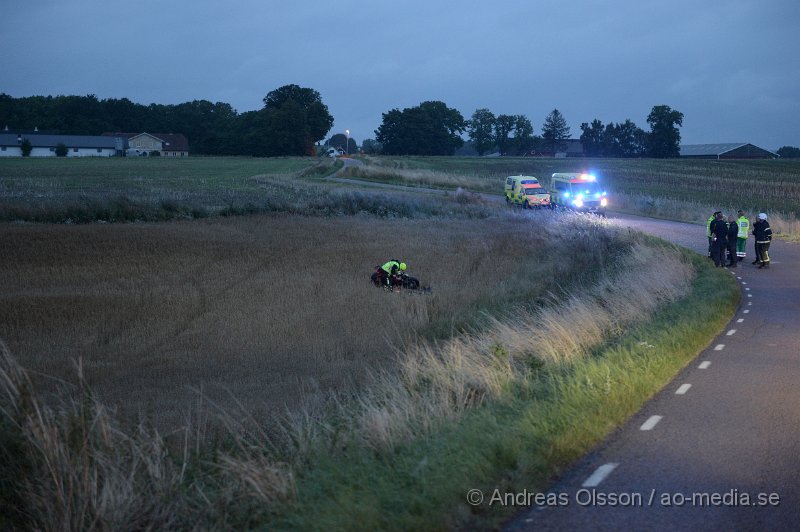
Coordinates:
<point>401,280</point>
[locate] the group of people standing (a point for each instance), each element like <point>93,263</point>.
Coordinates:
<point>728,240</point>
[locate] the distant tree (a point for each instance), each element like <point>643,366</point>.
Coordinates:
<point>664,140</point>
<point>371,146</point>
<point>629,137</point>
<point>480,130</point>
<point>788,152</point>
<point>641,140</point>
<point>343,142</point>
<point>61,150</point>
<point>523,135</point>
<point>26,147</point>
<point>555,130</point>
<point>294,120</point>
<point>610,141</point>
<point>428,129</point>
<point>592,138</point>
<point>339,141</point>
<point>503,127</point>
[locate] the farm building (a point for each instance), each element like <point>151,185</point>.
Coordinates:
<point>167,144</point>
<point>566,148</point>
<point>735,150</point>
<point>44,145</point>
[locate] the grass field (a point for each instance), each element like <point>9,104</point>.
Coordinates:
<point>240,371</point>
<point>268,308</point>
<point>143,188</point>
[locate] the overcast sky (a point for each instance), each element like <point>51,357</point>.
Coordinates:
<point>732,67</point>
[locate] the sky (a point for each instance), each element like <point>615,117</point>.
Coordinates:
<point>732,67</point>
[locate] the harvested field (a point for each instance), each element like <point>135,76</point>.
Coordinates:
<point>261,311</point>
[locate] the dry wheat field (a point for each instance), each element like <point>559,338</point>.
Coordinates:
<point>258,311</point>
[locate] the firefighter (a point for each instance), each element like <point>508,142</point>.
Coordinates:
<point>391,269</point>
<point>733,241</point>
<point>719,236</point>
<point>741,238</point>
<point>763,234</point>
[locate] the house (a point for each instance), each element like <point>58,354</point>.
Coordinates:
<point>734,150</point>
<point>44,145</point>
<point>166,144</point>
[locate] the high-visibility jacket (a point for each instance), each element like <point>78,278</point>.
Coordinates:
<point>744,227</point>
<point>391,267</point>
<point>708,225</point>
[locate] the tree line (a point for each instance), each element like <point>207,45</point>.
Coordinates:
<point>294,120</point>
<point>291,122</point>
<point>434,129</point>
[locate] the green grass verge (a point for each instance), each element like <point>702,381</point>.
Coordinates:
<point>516,443</point>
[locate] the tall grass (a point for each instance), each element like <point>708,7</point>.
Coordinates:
<point>442,379</point>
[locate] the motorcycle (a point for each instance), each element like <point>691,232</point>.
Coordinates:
<point>401,280</point>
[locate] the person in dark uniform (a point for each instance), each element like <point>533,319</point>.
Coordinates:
<point>708,231</point>
<point>719,238</point>
<point>732,237</point>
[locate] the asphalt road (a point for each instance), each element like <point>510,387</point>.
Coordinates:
<point>719,447</point>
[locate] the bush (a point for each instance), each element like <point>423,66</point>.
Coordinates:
<point>26,147</point>
<point>61,149</point>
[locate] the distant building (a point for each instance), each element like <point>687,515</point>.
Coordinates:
<point>44,144</point>
<point>735,150</point>
<point>565,148</point>
<point>166,144</point>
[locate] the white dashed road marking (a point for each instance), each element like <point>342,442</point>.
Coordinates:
<point>599,475</point>
<point>683,389</point>
<point>731,332</point>
<point>704,364</point>
<point>719,347</point>
<point>740,320</point>
<point>650,423</point>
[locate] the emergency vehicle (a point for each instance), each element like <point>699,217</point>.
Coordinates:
<point>578,191</point>
<point>526,191</point>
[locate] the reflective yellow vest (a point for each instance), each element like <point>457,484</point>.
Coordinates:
<point>387,267</point>
<point>744,227</point>
<point>708,225</point>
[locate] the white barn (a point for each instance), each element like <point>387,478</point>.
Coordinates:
<point>44,145</point>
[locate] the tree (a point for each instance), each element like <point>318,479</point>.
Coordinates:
<point>664,140</point>
<point>503,127</point>
<point>61,150</point>
<point>295,119</point>
<point>592,138</point>
<point>788,152</point>
<point>480,130</point>
<point>339,140</point>
<point>629,137</point>
<point>371,146</point>
<point>428,129</point>
<point>555,130</point>
<point>523,135</point>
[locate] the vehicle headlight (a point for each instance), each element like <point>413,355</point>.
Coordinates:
<point>578,202</point>
<point>604,202</point>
